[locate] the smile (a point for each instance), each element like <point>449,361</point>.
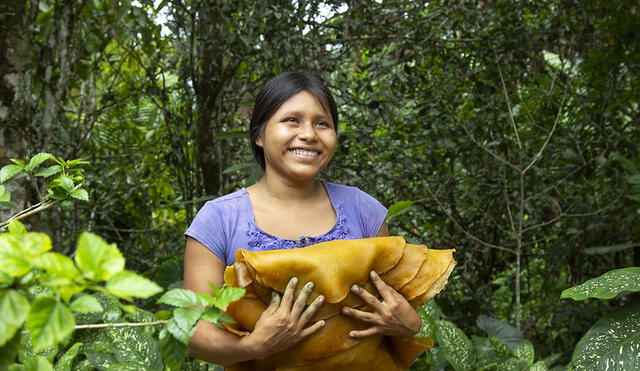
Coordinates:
<point>302,152</point>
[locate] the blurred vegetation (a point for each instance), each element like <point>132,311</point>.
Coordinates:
<point>510,127</point>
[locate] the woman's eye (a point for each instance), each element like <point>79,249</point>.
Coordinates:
<point>291,119</point>
<point>323,123</point>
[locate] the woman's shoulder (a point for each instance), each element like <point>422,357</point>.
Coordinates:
<point>348,193</point>
<point>230,201</point>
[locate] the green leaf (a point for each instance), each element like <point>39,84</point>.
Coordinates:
<point>225,296</point>
<point>613,343</point>
<point>8,171</point>
<point>80,194</point>
<point>8,205</point>
<point>428,327</point>
<point>9,351</point>
<point>525,352</point>
<point>215,316</point>
<point>179,298</point>
<point>66,361</point>
<point>501,330</point>
<point>238,167</point>
<point>182,324</point>
<point>86,304</point>
<point>13,256</point>
<point>502,349</point>
<point>170,271</point>
<point>65,182</point>
<point>399,208</point>
<point>607,286</point>
<point>13,309</point>
<point>37,160</point>
<point>57,264</point>
<point>609,249</point>
<point>48,171</point>
<point>635,179</point>
<point>134,346</point>
<point>37,363</point>
<point>539,366</point>
<point>16,227</point>
<point>49,322</point>
<point>97,259</point>
<point>129,285</point>
<point>457,347</point>
<point>173,351</point>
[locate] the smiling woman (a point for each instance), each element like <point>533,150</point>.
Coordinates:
<point>293,135</point>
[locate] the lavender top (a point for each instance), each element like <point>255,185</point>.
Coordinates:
<point>227,224</point>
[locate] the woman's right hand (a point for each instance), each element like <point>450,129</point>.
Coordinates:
<point>282,324</point>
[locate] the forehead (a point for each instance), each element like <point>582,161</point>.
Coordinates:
<point>304,101</point>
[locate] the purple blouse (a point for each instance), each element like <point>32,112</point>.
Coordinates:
<point>226,224</point>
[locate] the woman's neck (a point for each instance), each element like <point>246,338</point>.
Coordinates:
<point>284,190</point>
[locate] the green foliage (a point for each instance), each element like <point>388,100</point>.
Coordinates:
<point>607,286</point>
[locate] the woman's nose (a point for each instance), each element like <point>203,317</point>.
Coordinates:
<point>307,132</point>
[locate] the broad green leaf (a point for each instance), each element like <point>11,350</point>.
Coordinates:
<point>225,296</point>
<point>613,343</point>
<point>457,347</point>
<point>8,205</point>
<point>9,351</point>
<point>57,264</point>
<point>634,179</point>
<point>136,346</point>
<point>49,322</point>
<point>37,160</point>
<point>16,227</point>
<point>501,330</point>
<point>65,182</point>
<point>179,298</point>
<point>607,286</point>
<point>48,171</point>
<point>170,271</point>
<point>86,304</point>
<point>428,327</point>
<point>66,361</point>
<point>37,363</point>
<point>26,350</point>
<point>173,351</point>
<point>8,171</point>
<point>539,366</point>
<point>14,259</point>
<point>97,259</point>
<point>609,249</point>
<point>80,194</point>
<point>129,285</point>
<point>14,308</point>
<point>525,352</point>
<point>399,208</point>
<point>182,324</point>
<point>215,316</point>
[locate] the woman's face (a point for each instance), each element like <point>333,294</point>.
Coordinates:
<point>299,138</point>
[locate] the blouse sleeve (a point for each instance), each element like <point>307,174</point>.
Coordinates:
<point>208,228</point>
<point>372,214</point>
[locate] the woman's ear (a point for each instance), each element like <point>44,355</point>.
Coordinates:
<point>259,141</point>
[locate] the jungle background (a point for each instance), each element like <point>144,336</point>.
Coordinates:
<point>507,130</point>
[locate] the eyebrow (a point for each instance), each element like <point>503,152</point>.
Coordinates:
<point>323,116</point>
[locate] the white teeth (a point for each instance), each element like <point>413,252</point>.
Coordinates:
<point>302,152</point>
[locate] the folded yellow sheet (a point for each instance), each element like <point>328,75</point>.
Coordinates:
<point>416,272</point>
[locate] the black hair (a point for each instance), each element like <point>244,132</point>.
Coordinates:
<point>277,91</point>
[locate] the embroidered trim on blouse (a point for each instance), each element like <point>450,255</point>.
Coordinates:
<point>261,241</point>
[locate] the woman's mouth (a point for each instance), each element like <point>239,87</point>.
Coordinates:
<point>304,152</point>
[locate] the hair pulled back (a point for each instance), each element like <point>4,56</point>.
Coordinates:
<point>277,91</point>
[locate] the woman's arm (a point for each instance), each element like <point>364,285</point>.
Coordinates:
<point>281,325</point>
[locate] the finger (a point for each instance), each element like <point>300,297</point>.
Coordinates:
<point>311,310</point>
<point>361,315</point>
<point>275,302</point>
<point>365,333</point>
<point>384,289</point>
<point>371,300</point>
<point>301,300</point>
<point>311,329</point>
<point>287,297</point>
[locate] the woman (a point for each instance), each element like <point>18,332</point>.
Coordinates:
<point>293,136</point>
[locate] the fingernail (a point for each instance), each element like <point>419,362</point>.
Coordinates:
<point>352,334</point>
<point>320,299</point>
<point>309,286</point>
<point>373,274</point>
<point>345,310</point>
<point>294,281</point>
<point>321,323</point>
<point>355,288</point>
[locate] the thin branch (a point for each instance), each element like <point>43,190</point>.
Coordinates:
<point>467,233</point>
<point>506,96</point>
<point>113,325</point>
<point>41,206</point>
<point>495,155</point>
<point>546,142</point>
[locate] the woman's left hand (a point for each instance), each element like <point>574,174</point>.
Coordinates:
<point>393,316</point>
